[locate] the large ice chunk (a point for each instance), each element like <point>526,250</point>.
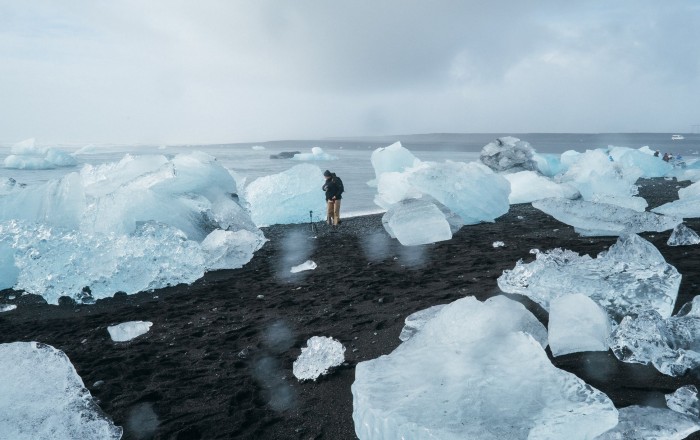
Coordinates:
<point>43,398</point>
<point>394,158</point>
<point>683,236</point>
<point>286,197</point>
<point>687,205</point>
<point>650,165</point>
<point>528,186</point>
<point>645,423</point>
<point>577,323</point>
<point>672,345</point>
<point>549,164</point>
<point>508,153</point>
<point>593,219</point>
<point>472,372</point>
<point>320,354</point>
<point>684,400</point>
<point>415,222</point>
<point>317,153</point>
<point>632,276</point>
<point>230,249</point>
<point>126,331</point>
<point>415,321</point>
<point>26,155</point>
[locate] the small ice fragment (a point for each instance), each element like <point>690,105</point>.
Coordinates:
<point>7,307</point>
<point>127,331</point>
<point>683,236</point>
<point>307,265</point>
<point>642,423</point>
<point>684,401</point>
<point>577,323</point>
<point>320,354</point>
<point>260,297</point>
<point>498,244</point>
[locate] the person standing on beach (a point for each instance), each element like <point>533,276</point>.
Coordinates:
<point>334,190</point>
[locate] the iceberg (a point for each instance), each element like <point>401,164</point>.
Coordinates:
<point>644,423</point>
<point>672,344</point>
<point>307,265</point>
<point>528,186</point>
<point>684,400</point>
<point>317,153</point>
<point>602,219</point>
<point>320,354</point>
<point>577,323</point>
<point>43,398</point>
<point>415,321</point>
<point>683,236</point>
<point>414,222</point>
<point>631,277</point>
<point>286,197</point>
<point>394,158</point>
<point>126,331</point>
<point>475,371</point>
<point>508,153</point>
<point>26,155</point>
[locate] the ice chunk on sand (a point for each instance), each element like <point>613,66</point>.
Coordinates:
<point>649,165</point>
<point>528,186</point>
<point>415,321</point>
<point>684,400</point>
<point>632,276</point>
<point>415,221</point>
<point>26,155</point>
<point>286,197</point>
<point>508,153</point>
<point>683,236</point>
<point>592,173</point>
<point>672,345</point>
<point>317,153</point>
<point>126,331</point>
<point>644,423</point>
<point>577,323</point>
<point>394,158</point>
<point>549,164</point>
<point>687,205</point>
<point>601,219</point>
<point>43,398</point>
<point>497,244</point>
<point>8,269</point>
<point>472,372</point>
<point>231,249</point>
<point>307,265</point>
<point>7,307</point>
<point>320,354</point>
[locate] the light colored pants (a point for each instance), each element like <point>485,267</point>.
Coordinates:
<point>333,212</point>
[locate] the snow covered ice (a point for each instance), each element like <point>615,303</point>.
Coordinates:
<point>577,323</point>
<point>415,321</point>
<point>317,153</point>
<point>307,265</point>
<point>415,222</point>
<point>684,400</point>
<point>644,423</point>
<point>631,277</point>
<point>27,156</point>
<point>287,197</point>
<point>508,153</point>
<point>683,236</point>
<point>320,354</point>
<point>43,398</point>
<point>475,371</point>
<point>672,344</point>
<point>132,225</point>
<point>528,186</point>
<point>126,331</point>
<point>602,219</point>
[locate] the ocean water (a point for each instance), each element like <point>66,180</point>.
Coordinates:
<point>353,155</point>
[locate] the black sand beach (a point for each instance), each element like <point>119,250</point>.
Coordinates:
<point>217,363</point>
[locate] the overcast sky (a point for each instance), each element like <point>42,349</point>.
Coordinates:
<point>232,71</point>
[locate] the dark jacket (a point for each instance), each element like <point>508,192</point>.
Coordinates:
<point>332,189</point>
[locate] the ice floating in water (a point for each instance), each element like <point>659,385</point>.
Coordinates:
<point>684,400</point>
<point>683,236</point>
<point>129,226</point>
<point>508,153</point>
<point>644,423</point>
<point>577,323</point>
<point>307,265</point>
<point>126,331</point>
<point>672,345</point>
<point>43,398</point>
<point>7,307</point>
<point>287,197</point>
<point>27,156</point>
<point>320,354</point>
<point>317,153</point>
<point>601,219</point>
<point>415,222</point>
<point>257,147</point>
<point>393,158</point>
<point>473,372</point>
<point>497,244</point>
<point>415,321</point>
<point>528,186</point>
<point>631,277</point>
